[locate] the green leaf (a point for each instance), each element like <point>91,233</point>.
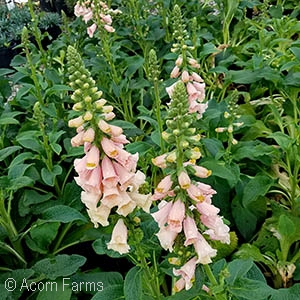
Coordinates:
<point>296,52</point>
<point>257,186</point>
<point>220,169</point>
<point>20,182</point>
<point>29,140</point>
<point>100,280</point>
<point>129,128</point>
<point>18,170</point>
<point>291,293</point>
<point>282,139</point>
<point>133,284</point>
<point>111,292</point>
<point>20,276</point>
<point>63,214</point>
<point>58,290</point>
<point>245,220</point>
<point>140,147</point>
<point>8,151</point>
<point>133,64</point>
<point>237,269</point>
<point>49,177</point>
<point>59,266</point>
<point>42,235</point>
<point>250,289</point>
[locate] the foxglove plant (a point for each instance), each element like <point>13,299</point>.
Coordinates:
<point>96,13</point>
<point>107,172</point>
<point>186,212</point>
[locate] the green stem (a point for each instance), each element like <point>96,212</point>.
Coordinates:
<point>158,115</point>
<point>12,251</point>
<point>8,224</point>
<point>62,235</point>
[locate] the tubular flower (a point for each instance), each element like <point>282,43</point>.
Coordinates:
<point>107,172</point>
<point>186,212</point>
<point>118,240</point>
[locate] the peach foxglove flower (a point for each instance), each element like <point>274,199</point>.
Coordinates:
<point>109,28</point>
<point>217,229</point>
<point>76,122</point>
<point>179,285</point>
<point>190,230</point>
<point>179,61</point>
<point>204,251</point>
<point>110,129</point>
<point>166,238</point>
<point>99,215</point>
<point>91,30</point>
<point>124,175</point>
<point>197,77</point>
<point>92,158</point>
<point>185,77</point>
<point>175,72</point>
<point>195,193</point>
<point>176,216</point>
<point>111,196</point>
<point>184,180</point>
<point>163,188</point>
<point>160,161</point>
<point>187,272</point>
<point>89,135</point>
<point>87,16</point>
<point>207,209</point>
<point>118,240</point>
<point>77,140</point>
<point>90,200</point>
<point>161,216</point>
<point>126,206</point>
<point>110,178</point>
<point>109,147</point>
<point>106,19</point>
<point>201,172</point>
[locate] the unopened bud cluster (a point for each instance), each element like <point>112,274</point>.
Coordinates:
<point>231,116</point>
<point>89,104</point>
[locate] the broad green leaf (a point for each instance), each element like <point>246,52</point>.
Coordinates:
<point>21,277</point>
<point>250,289</point>
<point>133,64</point>
<point>133,284</point>
<point>61,289</point>
<point>111,292</point>
<point>220,169</point>
<point>20,158</point>
<point>20,182</point>
<point>59,266</point>
<point>49,176</point>
<point>100,280</point>
<point>291,293</point>
<point>140,147</point>
<point>62,213</point>
<point>238,268</point>
<point>245,219</point>
<point>283,140</point>
<point>4,153</point>
<point>257,186</point>
<point>42,235</point>
<point>18,170</point>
